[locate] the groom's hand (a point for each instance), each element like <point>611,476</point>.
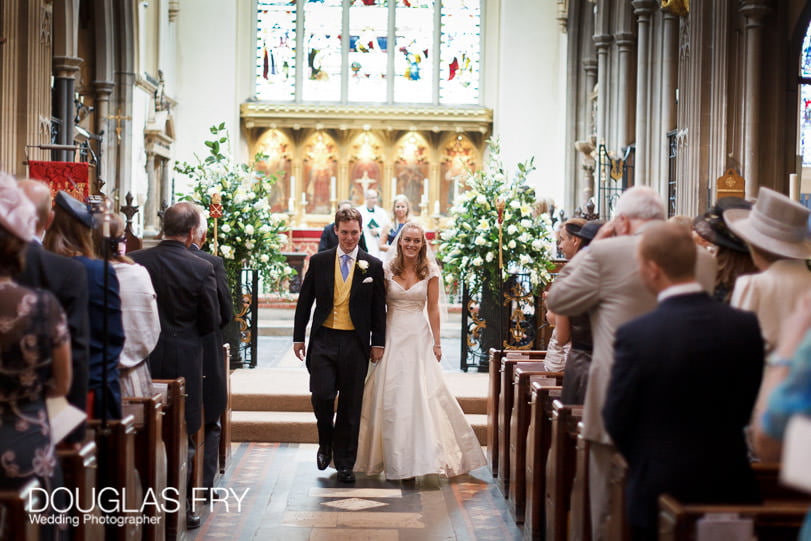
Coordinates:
<point>377,353</point>
<point>298,349</point>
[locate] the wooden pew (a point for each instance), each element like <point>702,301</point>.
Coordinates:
<point>175,437</point>
<point>225,419</point>
<point>493,396</point>
<point>150,456</point>
<point>198,440</point>
<point>580,515</point>
<point>79,468</point>
<point>560,468</point>
<point>505,406</point>
<point>16,509</point>
<point>768,478</point>
<point>539,438</point>
<point>616,525</point>
<point>117,470</point>
<point>774,522</point>
<point>519,424</point>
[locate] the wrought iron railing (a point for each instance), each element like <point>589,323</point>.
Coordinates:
<point>248,319</point>
<point>672,153</point>
<point>614,175</point>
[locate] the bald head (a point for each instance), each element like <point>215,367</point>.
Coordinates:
<point>39,194</point>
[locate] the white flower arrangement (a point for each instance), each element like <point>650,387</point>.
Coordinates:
<point>474,232</point>
<point>247,233</point>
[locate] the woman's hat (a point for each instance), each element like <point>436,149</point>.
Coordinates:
<point>775,224</point>
<point>75,209</point>
<point>17,213</point>
<point>589,230</point>
<point>712,227</point>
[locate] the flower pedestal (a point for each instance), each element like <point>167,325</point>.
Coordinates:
<point>242,333</point>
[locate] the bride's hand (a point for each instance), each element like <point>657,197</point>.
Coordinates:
<point>438,352</point>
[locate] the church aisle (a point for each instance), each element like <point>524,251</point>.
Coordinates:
<point>291,500</point>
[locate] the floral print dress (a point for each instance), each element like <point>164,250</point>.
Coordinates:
<point>31,325</point>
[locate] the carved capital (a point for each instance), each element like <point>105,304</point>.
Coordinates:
<point>590,65</point>
<point>174,9</point>
<point>103,89</point>
<point>602,41</point>
<point>563,14</point>
<point>643,9</point>
<point>66,67</point>
<point>625,40</point>
<point>754,11</point>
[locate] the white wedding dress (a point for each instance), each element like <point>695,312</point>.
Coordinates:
<point>411,424</point>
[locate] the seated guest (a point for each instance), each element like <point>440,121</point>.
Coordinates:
<point>682,387</point>
<point>71,235</point>
<point>67,280</point>
<point>792,394</point>
<point>328,237</point>
<point>775,230</point>
<point>731,253</point>
<point>34,354</point>
<point>139,313</point>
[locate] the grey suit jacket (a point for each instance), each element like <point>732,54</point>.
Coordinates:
<point>604,281</point>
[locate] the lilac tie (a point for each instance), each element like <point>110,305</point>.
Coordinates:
<point>345,266</point>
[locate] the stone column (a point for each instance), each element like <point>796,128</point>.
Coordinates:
<point>754,11</point>
<point>602,42</point>
<point>670,66</point>
<point>152,203</point>
<point>643,10</point>
<point>104,89</point>
<point>590,67</point>
<point>9,73</point>
<point>65,69</point>
<point>625,46</point>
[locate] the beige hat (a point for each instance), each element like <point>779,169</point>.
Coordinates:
<point>17,213</point>
<point>775,224</point>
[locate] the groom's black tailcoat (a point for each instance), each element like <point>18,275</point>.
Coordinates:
<point>338,360</point>
<point>683,385</point>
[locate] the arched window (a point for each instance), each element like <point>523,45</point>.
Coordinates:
<point>397,51</point>
<point>805,99</point>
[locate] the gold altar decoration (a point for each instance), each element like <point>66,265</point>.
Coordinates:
<point>677,7</point>
<point>215,211</point>
<point>730,184</point>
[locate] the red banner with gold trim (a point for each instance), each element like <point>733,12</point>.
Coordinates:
<point>71,177</point>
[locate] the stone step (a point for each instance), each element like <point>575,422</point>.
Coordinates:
<point>299,427</point>
<point>287,390</point>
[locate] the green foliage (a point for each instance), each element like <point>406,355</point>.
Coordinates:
<point>469,248</point>
<point>248,234</point>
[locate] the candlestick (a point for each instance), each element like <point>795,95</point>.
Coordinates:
<point>303,199</point>
<point>425,189</point>
<point>794,186</point>
<point>291,204</point>
<point>436,207</point>
<point>424,200</point>
<point>332,188</point>
<point>292,186</point>
<point>393,187</point>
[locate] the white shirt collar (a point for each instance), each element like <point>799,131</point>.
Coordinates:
<point>353,254</point>
<point>679,289</point>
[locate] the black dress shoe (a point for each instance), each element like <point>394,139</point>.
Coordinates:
<point>192,520</point>
<point>323,458</point>
<point>345,475</point>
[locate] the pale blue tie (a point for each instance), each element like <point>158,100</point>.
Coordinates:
<point>345,265</point>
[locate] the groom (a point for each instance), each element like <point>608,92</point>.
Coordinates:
<point>347,287</point>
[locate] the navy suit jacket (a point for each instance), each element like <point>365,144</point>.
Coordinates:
<point>683,385</point>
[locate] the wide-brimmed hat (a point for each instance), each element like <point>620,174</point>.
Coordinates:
<point>775,224</point>
<point>712,227</point>
<point>589,230</point>
<point>17,213</point>
<point>75,209</point>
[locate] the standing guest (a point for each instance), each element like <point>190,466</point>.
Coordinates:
<point>215,383</point>
<point>67,280</point>
<point>775,230</point>
<point>689,356</point>
<point>731,253</point>
<point>188,308</point>
<point>604,281</point>
<point>71,235</point>
<point>348,327</point>
<point>375,220</point>
<point>328,237</point>
<point>139,313</point>
<point>34,356</point>
<point>400,210</point>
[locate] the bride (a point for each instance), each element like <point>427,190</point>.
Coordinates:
<point>411,424</point>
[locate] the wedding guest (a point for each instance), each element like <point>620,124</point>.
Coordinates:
<point>139,313</point>
<point>375,219</point>
<point>401,208</point>
<point>328,237</point>
<point>731,253</point>
<point>67,280</point>
<point>71,235</point>
<point>34,356</point>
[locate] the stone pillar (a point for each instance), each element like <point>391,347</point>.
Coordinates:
<point>65,69</point>
<point>625,46</point>
<point>754,11</point>
<point>643,10</point>
<point>590,67</point>
<point>670,66</point>
<point>9,72</point>
<point>152,203</point>
<point>602,42</point>
<point>103,91</point>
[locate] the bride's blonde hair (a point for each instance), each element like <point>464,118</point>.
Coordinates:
<point>398,263</point>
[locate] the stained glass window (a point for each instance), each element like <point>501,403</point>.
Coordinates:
<point>805,99</point>
<point>276,50</point>
<point>369,51</point>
